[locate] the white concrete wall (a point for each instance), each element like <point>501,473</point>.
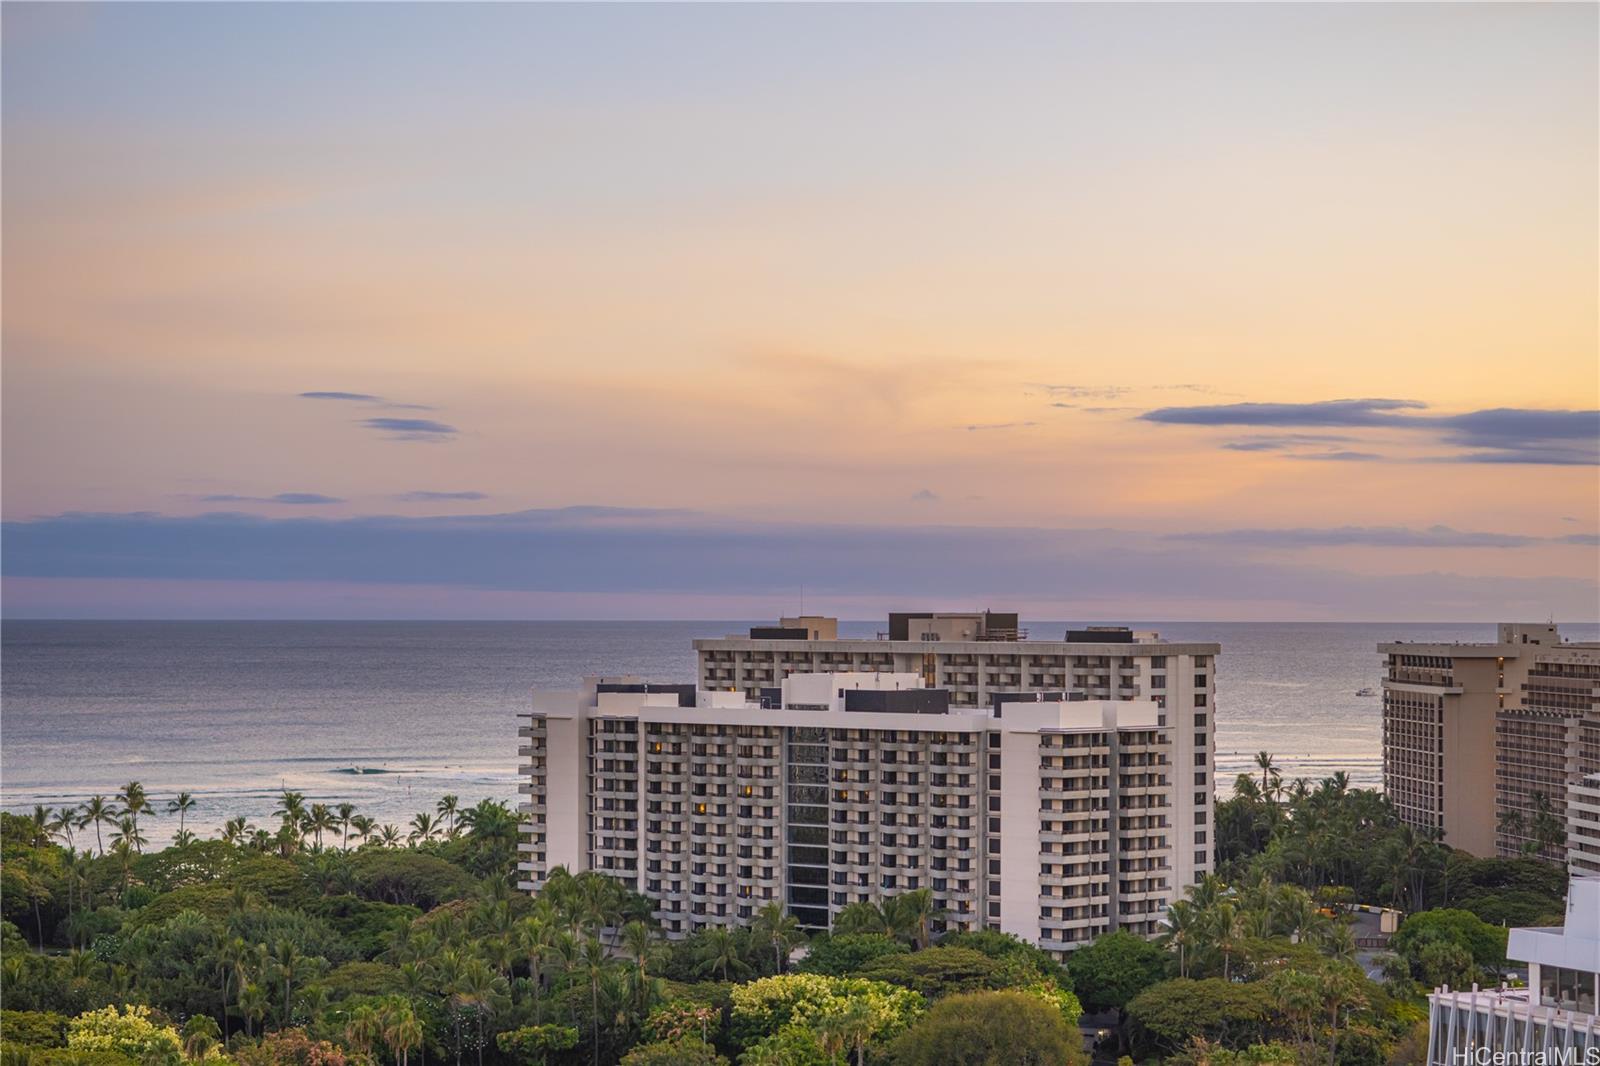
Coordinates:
<point>567,788</point>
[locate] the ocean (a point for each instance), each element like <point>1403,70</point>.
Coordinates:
<point>392,715</point>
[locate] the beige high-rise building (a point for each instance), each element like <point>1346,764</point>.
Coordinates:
<point>1054,814</point>
<point>1518,719</point>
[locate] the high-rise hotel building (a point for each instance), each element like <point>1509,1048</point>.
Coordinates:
<point>980,656</point>
<point>1053,809</point>
<point>1518,718</point>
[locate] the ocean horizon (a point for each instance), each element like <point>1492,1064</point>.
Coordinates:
<point>391,715</point>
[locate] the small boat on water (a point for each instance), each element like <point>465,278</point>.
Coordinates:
<point>1366,690</point>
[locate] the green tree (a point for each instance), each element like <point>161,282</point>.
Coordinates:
<point>685,1052</point>
<point>937,972</point>
<point>719,953</point>
<point>532,1045</point>
<point>1485,943</point>
<point>844,954</point>
<point>181,806</point>
<point>988,1029</point>
<point>200,1035</point>
<point>780,929</point>
<point>1162,1018</point>
<point>132,1032</point>
<point>134,803</point>
<point>98,811</point>
<point>1117,967</point>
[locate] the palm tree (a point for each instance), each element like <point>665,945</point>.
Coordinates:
<point>134,800</point>
<point>855,1023</point>
<point>535,938</point>
<point>362,828</point>
<point>640,946</point>
<point>1269,771</point>
<point>719,953</point>
<point>181,807</point>
<point>64,822</point>
<point>253,1005</point>
<point>595,964</point>
<point>401,1030</point>
<point>183,838</point>
<point>1225,930</point>
<point>200,1035</point>
<point>833,1036</point>
<point>292,810</point>
<point>1342,989</point>
<point>422,828</point>
<point>1184,922</point>
<point>389,836</point>
<point>232,958</point>
<point>477,988</point>
<point>363,1029</point>
<point>780,929</point>
<point>97,812</point>
<point>128,833</point>
<point>447,810</point>
<point>289,966</point>
<point>39,825</point>
<point>347,812</point>
<point>860,917</point>
<point>320,820</point>
<point>1511,823</point>
<point>1547,830</point>
<point>236,830</point>
<point>912,914</point>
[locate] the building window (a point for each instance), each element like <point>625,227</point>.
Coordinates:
<point>1199,779</point>
<point>1200,858</point>
<point>1199,721</point>
<point>1199,699</point>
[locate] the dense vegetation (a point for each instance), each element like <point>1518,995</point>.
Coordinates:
<point>330,941</point>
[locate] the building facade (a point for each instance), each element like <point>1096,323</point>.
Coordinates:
<point>1046,815</point>
<point>1552,1020</point>
<point>1583,827</point>
<point>1522,713</point>
<point>980,656</point>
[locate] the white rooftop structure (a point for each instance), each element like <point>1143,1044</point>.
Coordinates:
<point>1553,1020</point>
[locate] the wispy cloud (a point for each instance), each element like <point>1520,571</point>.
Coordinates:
<point>924,496</point>
<point>1079,392</point>
<point>1283,441</point>
<point>353,397</point>
<point>424,429</point>
<point>1365,536</point>
<point>1337,457</point>
<point>1495,435</point>
<point>425,496</point>
<point>298,498</point>
<point>1370,412</point>
<point>365,397</point>
<point>976,426</point>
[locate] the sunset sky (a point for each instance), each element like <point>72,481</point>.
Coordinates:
<point>1202,312</point>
